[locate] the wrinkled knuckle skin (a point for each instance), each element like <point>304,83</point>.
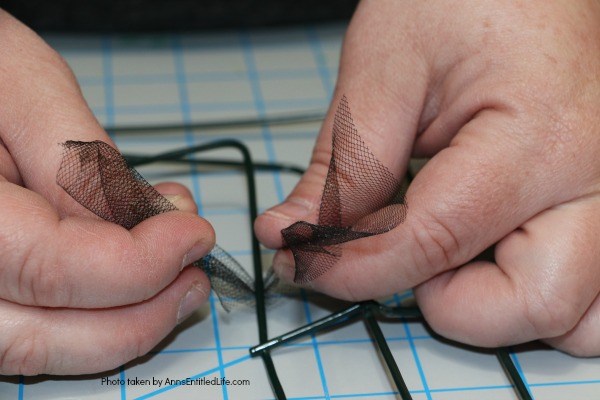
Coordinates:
<point>142,343</point>
<point>141,340</point>
<point>550,314</point>
<point>24,355</point>
<point>42,283</point>
<point>436,246</point>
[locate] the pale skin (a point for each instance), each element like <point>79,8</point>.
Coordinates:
<point>504,98</point>
<point>503,95</point>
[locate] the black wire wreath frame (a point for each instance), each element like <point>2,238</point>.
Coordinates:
<point>369,311</point>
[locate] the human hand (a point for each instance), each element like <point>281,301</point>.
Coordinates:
<point>503,96</point>
<point>77,294</point>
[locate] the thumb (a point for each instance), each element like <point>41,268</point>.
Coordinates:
<point>304,203</point>
<point>385,113</point>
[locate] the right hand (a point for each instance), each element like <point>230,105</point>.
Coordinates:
<point>504,97</point>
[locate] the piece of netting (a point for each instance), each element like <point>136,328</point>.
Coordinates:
<point>361,198</point>
<point>97,177</point>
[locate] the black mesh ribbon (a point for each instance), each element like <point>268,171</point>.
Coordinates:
<point>97,176</point>
<point>361,198</point>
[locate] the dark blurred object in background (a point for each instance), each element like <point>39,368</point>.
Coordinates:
<point>161,15</point>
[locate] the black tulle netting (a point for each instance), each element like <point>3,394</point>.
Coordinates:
<point>361,198</point>
<point>97,177</point>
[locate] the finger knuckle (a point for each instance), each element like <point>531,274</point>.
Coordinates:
<point>549,313</point>
<point>57,65</point>
<point>320,158</point>
<point>150,269</point>
<point>42,282</point>
<point>141,341</point>
<point>436,245</point>
<point>24,355</point>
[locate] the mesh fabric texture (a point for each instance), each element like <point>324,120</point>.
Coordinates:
<point>97,177</point>
<point>361,198</point>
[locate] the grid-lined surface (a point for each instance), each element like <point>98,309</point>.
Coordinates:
<point>158,79</point>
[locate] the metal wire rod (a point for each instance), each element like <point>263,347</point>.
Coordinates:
<point>284,119</point>
<point>368,310</point>
<point>258,166</point>
<point>248,167</point>
<point>385,351</point>
<point>513,374</point>
<point>320,324</point>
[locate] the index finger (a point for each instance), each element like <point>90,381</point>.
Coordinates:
<point>42,106</point>
<point>85,262</point>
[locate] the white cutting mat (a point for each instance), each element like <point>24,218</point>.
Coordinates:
<point>165,78</point>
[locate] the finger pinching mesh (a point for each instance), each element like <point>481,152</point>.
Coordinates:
<point>97,177</point>
<point>361,198</point>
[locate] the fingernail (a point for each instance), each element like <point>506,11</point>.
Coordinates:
<point>294,209</point>
<point>284,267</point>
<point>180,202</point>
<point>197,252</point>
<point>173,198</point>
<point>193,299</point>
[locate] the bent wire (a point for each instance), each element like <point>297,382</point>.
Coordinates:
<point>335,320</point>
<point>360,198</point>
<point>369,311</point>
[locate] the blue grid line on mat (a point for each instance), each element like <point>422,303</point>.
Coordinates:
<point>515,358</point>
<point>138,109</point>
<point>21,391</point>
<point>414,352</point>
<point>123,387</point>
<point>259,104</point>
<point>178,59</point>
<point>224,76</point>
<point>298,344</point>
<point>321,61</point>
<point>110,110</point>
<point>198,375</point>
<point>258,97</point>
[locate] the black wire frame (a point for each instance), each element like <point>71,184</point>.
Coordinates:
<point>370,311</point>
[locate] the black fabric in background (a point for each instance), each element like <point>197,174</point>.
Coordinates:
<point>176,15</point>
